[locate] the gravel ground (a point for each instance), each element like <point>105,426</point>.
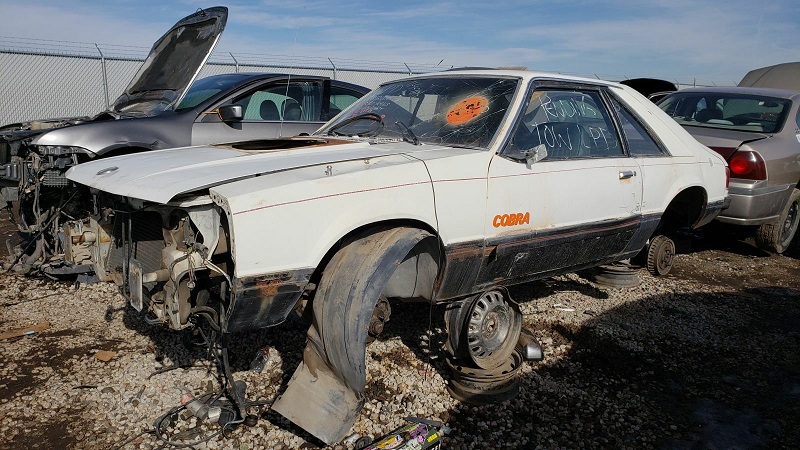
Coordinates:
<point>706,357</point>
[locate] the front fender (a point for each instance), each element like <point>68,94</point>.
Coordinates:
<point>290,220</point>
<point>103,136</point>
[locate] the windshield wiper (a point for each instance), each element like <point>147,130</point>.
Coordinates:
<point>408,135</point>
<point>369,116</point>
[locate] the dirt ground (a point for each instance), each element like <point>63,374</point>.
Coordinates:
<point>705,357</point>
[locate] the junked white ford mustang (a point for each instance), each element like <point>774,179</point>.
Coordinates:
<point>435,188</point>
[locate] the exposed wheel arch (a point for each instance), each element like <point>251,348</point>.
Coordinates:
<point>685,210</point>
<point>326,392</point>
<point>355,233</point>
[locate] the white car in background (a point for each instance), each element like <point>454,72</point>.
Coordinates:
<point>435,188</point>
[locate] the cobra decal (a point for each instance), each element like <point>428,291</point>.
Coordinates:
<point>509,220</point>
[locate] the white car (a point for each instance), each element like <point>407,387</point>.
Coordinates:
<point>435,188</point>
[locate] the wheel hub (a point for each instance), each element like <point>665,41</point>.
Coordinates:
<point>491,329</point>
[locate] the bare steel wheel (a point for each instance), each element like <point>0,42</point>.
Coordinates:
<point>484,330</point>
<point>660,255</point>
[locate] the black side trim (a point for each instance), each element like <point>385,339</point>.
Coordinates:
<point>521,257</point>
<point>542,251</point>
<point>462,264</point>
<point>265,300</point>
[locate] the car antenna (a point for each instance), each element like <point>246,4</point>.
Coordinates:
<point>288,81</point>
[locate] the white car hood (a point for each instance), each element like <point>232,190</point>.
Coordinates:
<point>158,176</point>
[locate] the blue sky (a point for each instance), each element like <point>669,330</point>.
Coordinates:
<point>680,39</point>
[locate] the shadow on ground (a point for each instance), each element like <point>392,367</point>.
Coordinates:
<point>689,371</point>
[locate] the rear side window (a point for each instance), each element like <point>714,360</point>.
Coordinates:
<point>640,142</point>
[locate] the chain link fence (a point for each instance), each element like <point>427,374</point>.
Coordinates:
<point>49,79</point>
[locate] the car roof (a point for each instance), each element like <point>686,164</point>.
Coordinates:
<point>526,75</point>
<point>771,92</point>
<point>245,77</point>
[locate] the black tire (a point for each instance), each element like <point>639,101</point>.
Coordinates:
<point>776,236</point>
<point>660,255</point>
<point>484,330</point>
<point>332,376</point>
<point>350,288</point>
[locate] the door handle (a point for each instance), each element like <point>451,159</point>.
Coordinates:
<point>625,174</point>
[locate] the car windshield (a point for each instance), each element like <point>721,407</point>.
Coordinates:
<point>731,111</point>
<point>202,90</point>
<point>449,110</point>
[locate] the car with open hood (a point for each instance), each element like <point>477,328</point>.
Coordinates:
<point>778,76</point>
<point>162,107</point>
<point>437,188</point>
<point>757,130</point>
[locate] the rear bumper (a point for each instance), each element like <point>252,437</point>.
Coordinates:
<point>712,210</point>
<point>755,205</point>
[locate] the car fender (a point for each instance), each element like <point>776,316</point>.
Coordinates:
<point>103,136</point>
<point>291,219</point>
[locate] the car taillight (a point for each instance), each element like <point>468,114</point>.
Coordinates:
<point>748,165</point>
<point>727,177</point>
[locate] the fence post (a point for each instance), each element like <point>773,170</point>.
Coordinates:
<point>334,68</point>
<point>105,76</point>
<point>234,61</point>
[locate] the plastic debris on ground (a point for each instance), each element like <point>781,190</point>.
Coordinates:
<point>24,331</point>
<point>418,434</point>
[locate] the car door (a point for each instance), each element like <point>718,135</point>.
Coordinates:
<point>575,206</point>
<point>286,107</point>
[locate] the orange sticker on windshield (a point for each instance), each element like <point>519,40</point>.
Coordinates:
<point>467,109</point>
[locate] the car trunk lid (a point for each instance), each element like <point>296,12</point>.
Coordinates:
<point>724,142</point>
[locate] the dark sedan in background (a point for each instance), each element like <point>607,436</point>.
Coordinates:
<point>757,130</point>
<point>162,107</point>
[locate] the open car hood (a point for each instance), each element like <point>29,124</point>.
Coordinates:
<point>173,63</point>
<point>779,76</point>
<point>158,176</point>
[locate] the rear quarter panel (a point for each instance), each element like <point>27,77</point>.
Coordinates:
<point>781,152</point>
<point>690,164</point>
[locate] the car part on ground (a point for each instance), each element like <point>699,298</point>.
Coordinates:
<point>475,191</point>
<point>619,274</point>
<point>756,131</point>
<point>660,255</point>
<point>478,386</point>
<point>420,434</point>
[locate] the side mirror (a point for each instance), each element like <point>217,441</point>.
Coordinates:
<point>231,113</point>
<point>535,154</point>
